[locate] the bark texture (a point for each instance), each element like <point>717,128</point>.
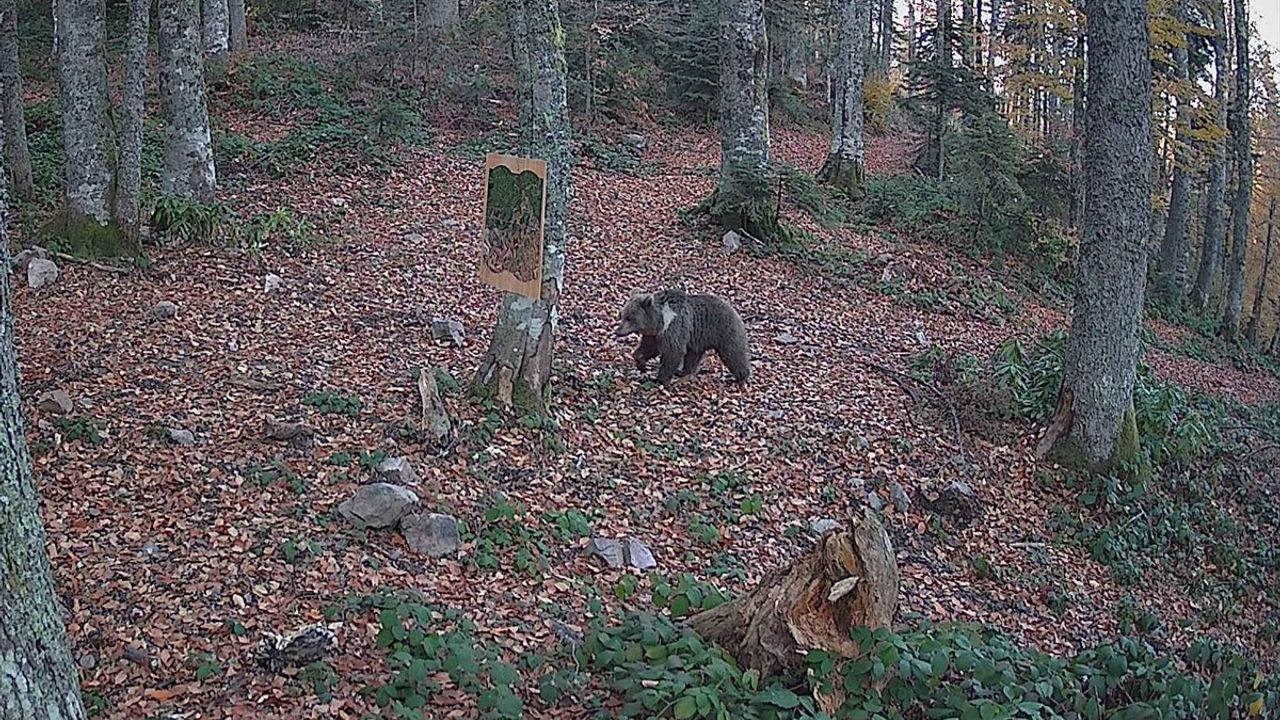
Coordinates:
<point>38,680</point>
<point>743,200</point>
<point>217,35</point>
<point>1214,226</point>
<point>188,151</point>
<point>885,50</point>
<point>849,579</point>
<point>135,79</point>
<point>1259,298</point>
<point>1171,261</point>
<point>516,370</point>
<point>845,166</point>
<point>238,32</point>
<point>1238,122</point>
<point>1094,425</point>
<point>15,126</point>
<point>86,121</point>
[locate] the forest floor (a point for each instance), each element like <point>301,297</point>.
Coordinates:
<point>172,560</point>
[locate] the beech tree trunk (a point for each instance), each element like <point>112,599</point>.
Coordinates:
<point>845,166</point>
<point>848,579</point>
<point>1171,261</point>
<point>1238,120</point>
<point>238,33</point>
<point>135,80</point>
<point>38,680</point>
<point>1078,99</point>
<point>1255,318</point>
<point>886,36</point>
<point>1094,423</point>
<point>516,370</point>
<point>15,126</point>
<point>1214,227</point>
<point>743,199</point>
<point>188,151</point>
<point>217,36</point>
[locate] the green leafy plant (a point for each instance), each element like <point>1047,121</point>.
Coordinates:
<point>179,219</point>
<point>83,428</point>
<point>333,403</point>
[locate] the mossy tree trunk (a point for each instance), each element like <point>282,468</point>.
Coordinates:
<point>1171,260</point>
<point>516,370</point>
<point>38,680</point>
<point>848,579</point>
<point>128,197</point>
<point>1259,298</point>
<point>743,198</point>
<point>1238,122</point>
<point>845,166</point>
<point>1214,228</point>
<point>216,32</point>
<point>188,147</point>
<point>238,32</point>
<point>15,127</point>
<point>1094,424</point>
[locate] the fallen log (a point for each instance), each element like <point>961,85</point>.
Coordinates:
<point>849,579</point>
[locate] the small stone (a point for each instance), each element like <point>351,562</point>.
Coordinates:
<point>41,273</point>
<point>638,555</point>
<point>437,427</point>
<point>431,534</point>
<point>886,275</point>
<point>164,310</point>
<point>23,259</point>
<point>448,331</point>
<point>636,140</point>
<point>608,550</point>
<point>415,238</point>
<point>136,654</point>
<point>785,338</point>
<point>821,526</point>
<point>962,489</point>
<point>378,505</point>
<point>731,242</point>
<point>398,470</point>
<point>88,661</point>
<point>272,283</point>
<point>901,501</point>
<point>283,430</point>
<point>874,501</point>
<point>179,436</point>
<point>55,402</point>
<point>451,222</point>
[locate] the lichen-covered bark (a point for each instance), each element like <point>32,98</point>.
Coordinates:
<point>86,121</point>
<point>1238,122</point>
<point>188,149</point>
<point>1214,227</point>
<point>845,166</point>
<point>238,35</point>
<point>516,370</point>
<point>15,128</point>
<point>135,78</point>
<point>743,200</point>
<point>1102,351</point>
<point>1171,260</point>
<point>38,680</point>
<point>217,36</point>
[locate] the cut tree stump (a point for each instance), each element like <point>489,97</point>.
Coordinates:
<point>849,579</point>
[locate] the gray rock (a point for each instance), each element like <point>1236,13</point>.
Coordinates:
<point>55,402</point>
<point>284,430</point>
<point>636,140</point>
<point>874,501</point>
<point>638,555</point>
<point>785,338</point>
<point>164,310</point>
<point>23,259</point>
<point>41,272</point>
<point>901,500</point>
<point>608,550</point>
<point>962,489</point>
<point>437,427</point>
<point>185,438</point>
<point>431,534</point>
<point>821,526</point>
<point>398,470</point>
<point>272,283</point>
<point>731,242</point>
<point>379,505</point>
<point>448,330</point>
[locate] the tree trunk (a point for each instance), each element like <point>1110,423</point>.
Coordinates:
<point>1078,98</point>
<point>15,126</point>
<point>845,166</point>
<point>912,31</point>
<point>848,579</point>
<point>442,16</point>
<point>1238,120</point>
<point>743,200</point>
<point>135,80</point>
<point>516,370</point>
<point>886,37</point>
<point>1171,262</point>
<point>38,680</point>
<point>1214,227</point>
<point>1094,424</point>
<point>238,33</point>
<point>188,151</point>
<point>966,32</point>
<point>1255,317</point>
<point>217,36</point>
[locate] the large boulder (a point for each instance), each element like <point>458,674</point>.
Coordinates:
<point>41,272</point>
<point>378,505</point>
<point>431,534</point>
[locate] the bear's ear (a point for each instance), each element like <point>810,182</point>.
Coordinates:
<point>643,298</point>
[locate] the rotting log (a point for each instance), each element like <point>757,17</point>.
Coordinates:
<point>849,579</point>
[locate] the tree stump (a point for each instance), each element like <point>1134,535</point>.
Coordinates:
<point>849,579</point>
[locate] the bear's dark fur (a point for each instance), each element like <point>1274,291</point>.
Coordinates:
<point>680,328</point>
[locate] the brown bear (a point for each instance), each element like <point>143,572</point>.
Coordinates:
<point>680,328</point>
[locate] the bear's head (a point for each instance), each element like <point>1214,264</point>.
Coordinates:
<point>639,316</point>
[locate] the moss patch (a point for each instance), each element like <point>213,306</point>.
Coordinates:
<point>87,238</point>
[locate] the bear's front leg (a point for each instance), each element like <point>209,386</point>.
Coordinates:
<point>646,351</point>
<point>672,360</point>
